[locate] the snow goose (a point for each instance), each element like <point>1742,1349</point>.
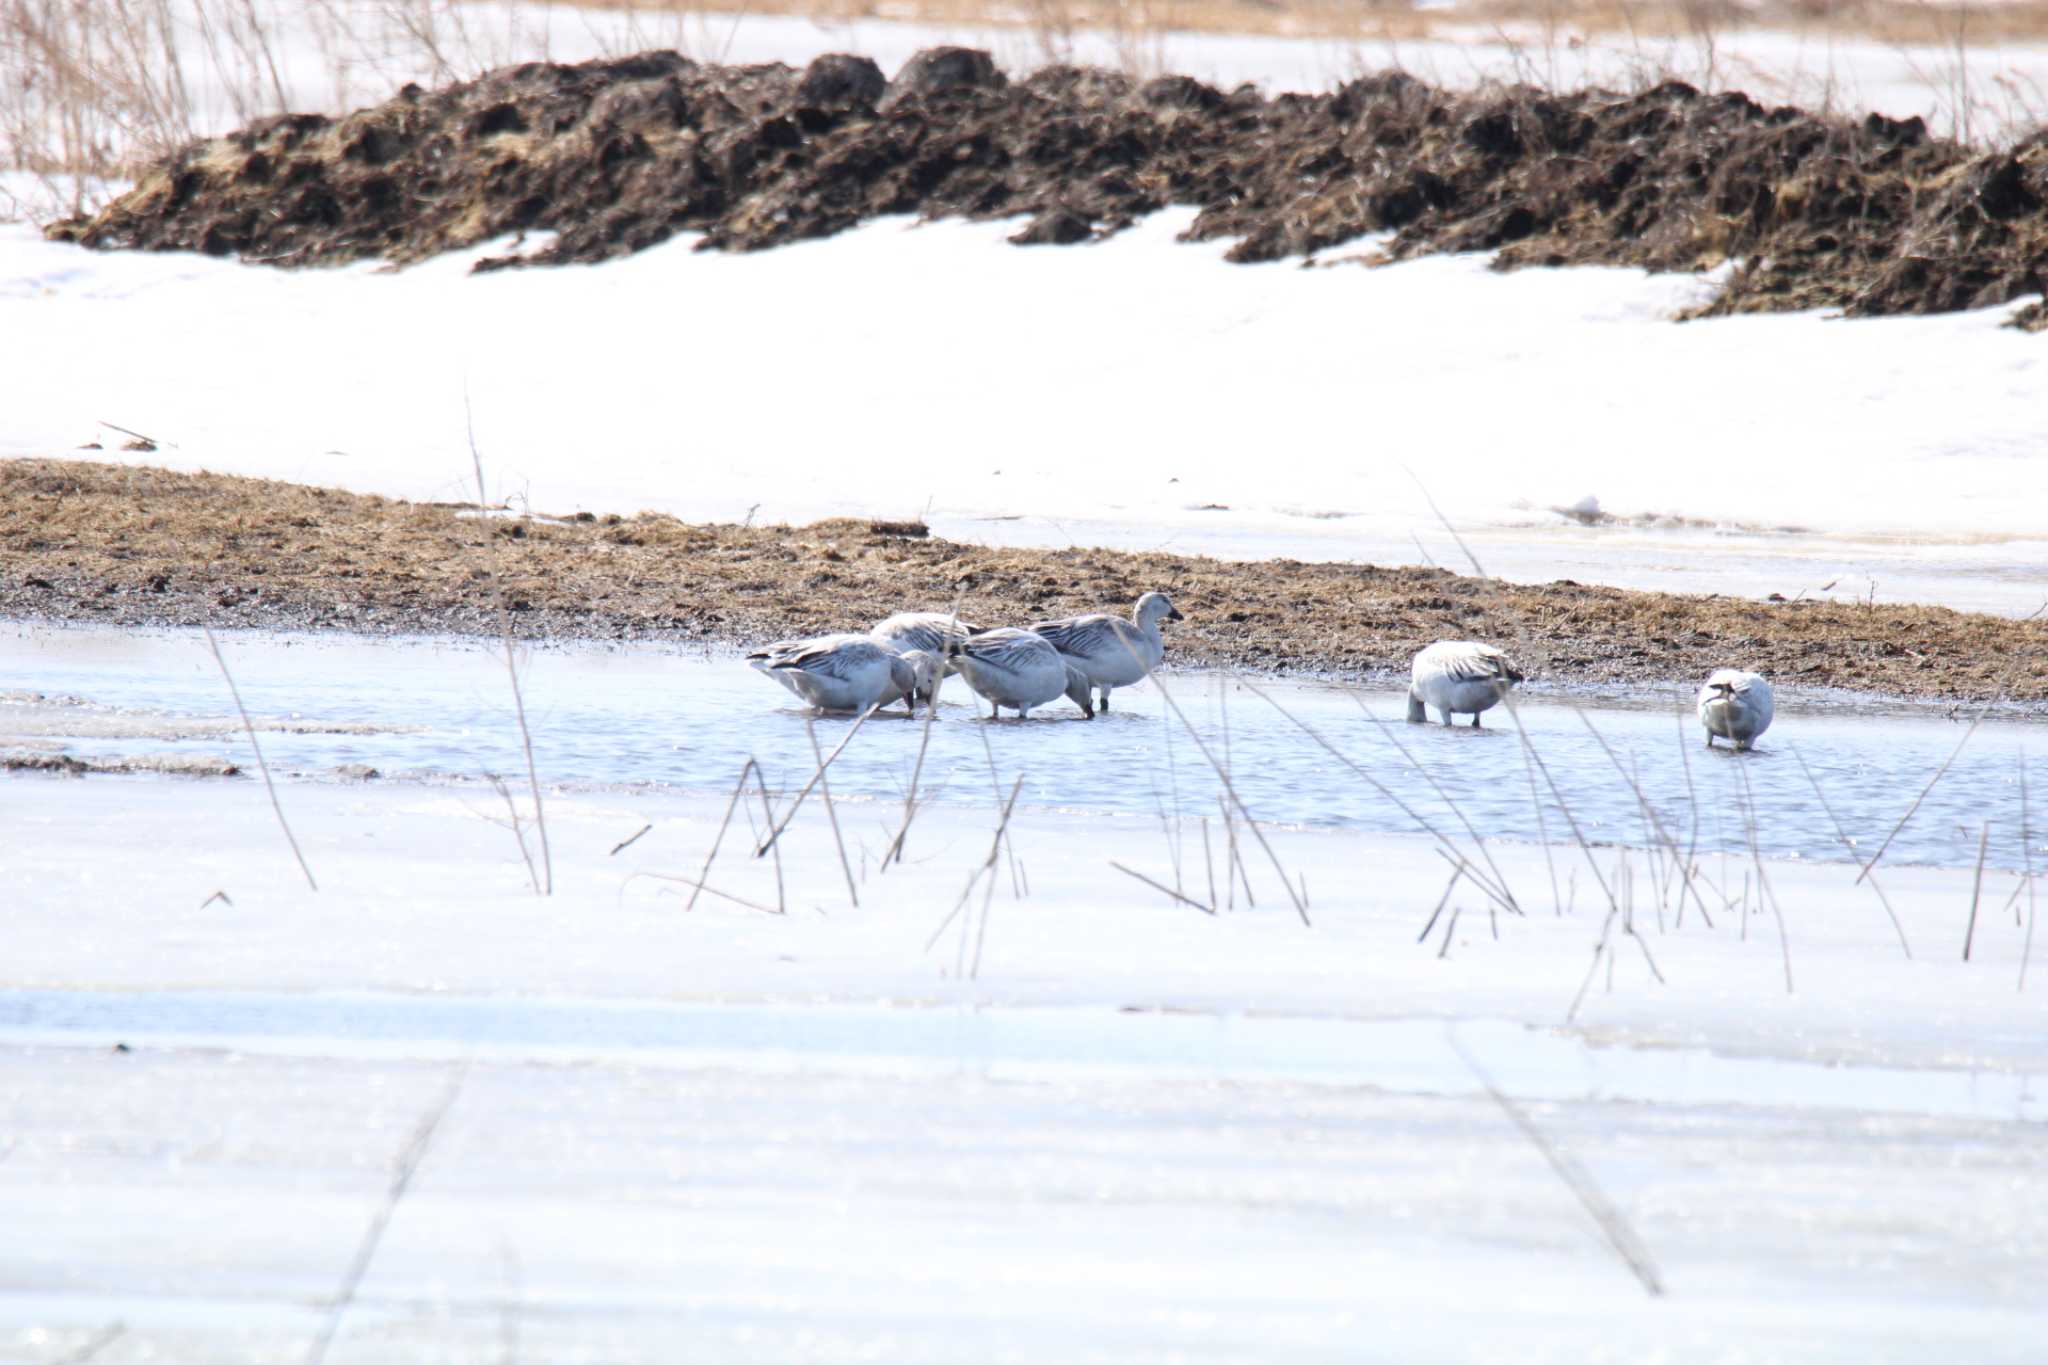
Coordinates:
<point>842,672</point>
<point>1736,705</point>
<point>1109,651</point>
<point>1020,670</point>
<point>927,630</point>
<point>1459,677</point>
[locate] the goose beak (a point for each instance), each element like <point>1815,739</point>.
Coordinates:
<point>1173,614</point>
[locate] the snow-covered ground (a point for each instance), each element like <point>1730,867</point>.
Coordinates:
<point>1139,393</point>
<point>1096,1125</point>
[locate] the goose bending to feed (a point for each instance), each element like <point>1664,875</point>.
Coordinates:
<point>931,631</point>
<point>845,672</point>
<point>1459,677</point>
<point>1736,705</point>
<point>1020,670</point>
<point>1110,651</point>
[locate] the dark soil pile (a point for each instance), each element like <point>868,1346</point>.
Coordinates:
<point>1870,217</point>
<point>118,545</point>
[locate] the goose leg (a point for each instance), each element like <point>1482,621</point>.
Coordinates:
<point>1475,720</point>
<point>1447,717</point>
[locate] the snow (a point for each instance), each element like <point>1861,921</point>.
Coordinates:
<point>1113,394</point>
<point>1136,1132</point>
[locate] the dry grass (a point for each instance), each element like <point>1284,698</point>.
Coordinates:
<point>114,544</point>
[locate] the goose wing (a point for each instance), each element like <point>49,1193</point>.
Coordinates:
<point>832,656</point>
<point>1465,662</point>
<point>1084,637</point>
<point>1010,649</point>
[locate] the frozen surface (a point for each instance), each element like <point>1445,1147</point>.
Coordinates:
<point>661,719</point>
<point>1097,1126</point>
<point>1139,392</point>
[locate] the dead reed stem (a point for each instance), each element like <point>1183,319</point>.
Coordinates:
<point>1496,890</point>
<point>1649,812</point>
<point>2027,860</point>
<point>1619,1234</point>
<point>261,766</point>
<point>732,803</point>
<point>776,829</point>
<point>1763,882</point>
<point>825,793</point>
<point>1976,890</point>
<point>767,819</point>
<point>409,1159</point>
<point>1913,809</point>
<point>1162,888</point>
<point>1850,844</point>
<point>1223,775</point>
<point>546,886</point>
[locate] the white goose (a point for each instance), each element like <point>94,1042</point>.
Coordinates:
<point>1460,677</point>
<point>1109,651</point>
<point>1020,670</point>
<point>1736,705</point>
<point>846,672</point>
<point>931,631</point>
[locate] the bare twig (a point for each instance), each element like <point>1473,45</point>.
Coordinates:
<point>1976,890</point>
<point>546,885</point>
<point>825,791</point>
<point>261,766</point>
<point>1850,844</point>
<point>739,789</point>
<point>1620,1236</point>
<point>1162,888</point>
<point>409,1158</point>
<point>1911,810</point>
<point>796,803</point>
<point>627,843</point>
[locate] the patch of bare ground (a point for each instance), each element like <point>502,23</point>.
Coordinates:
<point>120,545</point>
<point>1870,216</point>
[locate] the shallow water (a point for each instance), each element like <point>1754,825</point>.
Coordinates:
<point>655,717</point>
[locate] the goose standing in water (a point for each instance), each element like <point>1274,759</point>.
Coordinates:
<point>1109,651</point>
<point>1460,677</point>
<point>847,672</point>
<point>1736,705</point>
<point>1020,670</point>
<point>931,631</point>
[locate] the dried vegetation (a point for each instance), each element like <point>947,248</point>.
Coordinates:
<point>92,542</point>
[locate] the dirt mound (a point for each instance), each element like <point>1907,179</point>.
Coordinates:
<point>1871,217</point>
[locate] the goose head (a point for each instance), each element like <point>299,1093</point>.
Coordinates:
<point>926,668</point>
<point>1155,607</point>
<point>1079,691</point>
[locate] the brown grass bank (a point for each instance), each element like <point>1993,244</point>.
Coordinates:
<point>120,545</point>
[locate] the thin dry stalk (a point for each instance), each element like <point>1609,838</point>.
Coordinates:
<point>987,867</point>
<point>895,848</point>
<point>1162,888</point>
<point>1649,812</point>
<point>1763,882</point>
<point>1620,1236</point>
<point>1457,871</point>
<point>1230,787</point>
<point>409,1159</point>
<point>1496,890</point>
<point>776,829</point>
<point>261,766</point>
<point>1850,844</point>
<point>517,825</point>
<point>2027,855</point>
<point>1209,864</point>
<point>738,790</point>
<point>1913,809</point>
<point>546,885</point>
<point>1507,897</point>
<point>698,884</point>
<point>1446,522</point>
<point>622,845</point>
<point>1571,820</point>
<point>768,819</point>
<point>825,792</point>
<point>1976,890</point>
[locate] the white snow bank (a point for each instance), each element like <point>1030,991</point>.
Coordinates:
<point>1139,393</point>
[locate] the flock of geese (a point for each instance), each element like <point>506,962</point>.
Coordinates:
<point>1083,658</point>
